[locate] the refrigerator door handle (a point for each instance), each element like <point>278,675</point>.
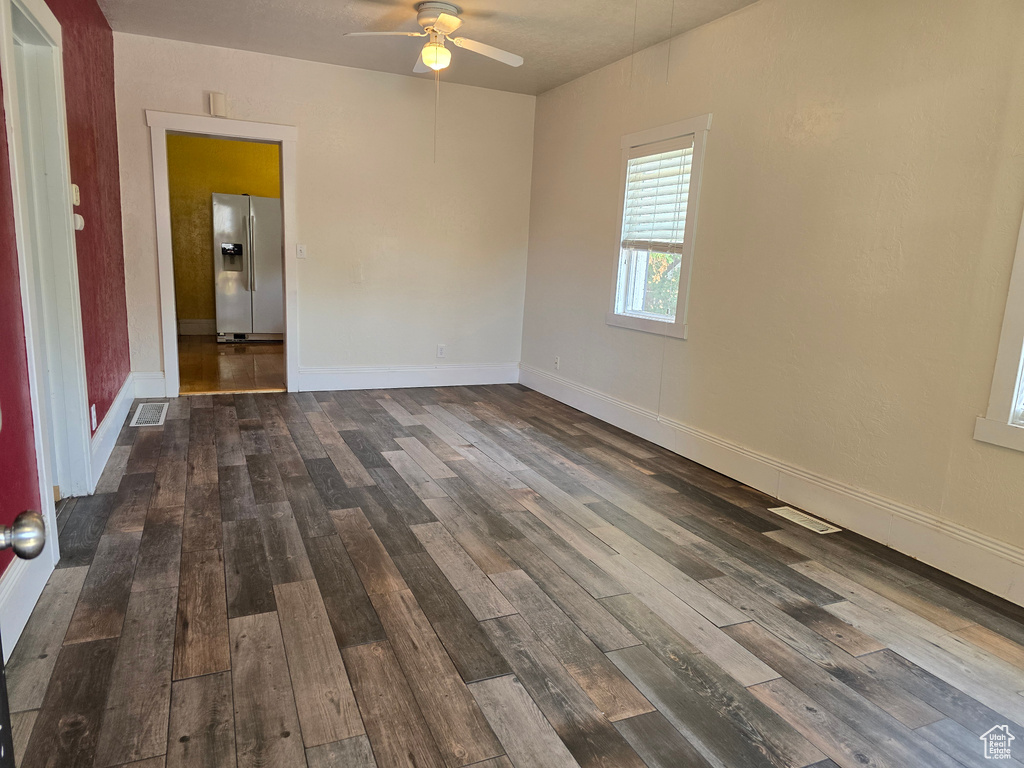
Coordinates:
<point>252,251</point>
<point>248,262</point>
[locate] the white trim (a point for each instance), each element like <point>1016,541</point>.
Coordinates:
<point>67,385</point>
<point>40,12</point>
<point>20,587</point>
<point>676,330</point>
<point>149,384</point>
<point>664,132</point>
<point>105,437</point>
<point>284,135</point>
<point>997,427</point>
<point>11,125</point>
<point>999,433</point>
<point>974,557</point>
<point>197,327</point>
<point>289,208</point>
<point>23,580</point>
<point>220,126</point>
<point>698,127</point>
<point>401,376</point>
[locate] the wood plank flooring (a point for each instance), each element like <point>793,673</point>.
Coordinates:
<point>206,366</point>
<point>481,576</point>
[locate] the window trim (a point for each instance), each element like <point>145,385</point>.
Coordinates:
<point>997,426</point>
<point>698,127</point>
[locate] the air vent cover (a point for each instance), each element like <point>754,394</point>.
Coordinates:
<point>808,522</point>
<point>149,415</point>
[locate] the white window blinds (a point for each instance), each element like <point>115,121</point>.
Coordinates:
<point>657,187</point>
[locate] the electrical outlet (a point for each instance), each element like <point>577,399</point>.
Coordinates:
<point>442,350</point>
<point>92,412</point>
<point>558,362</point>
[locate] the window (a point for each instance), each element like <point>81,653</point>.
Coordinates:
<point>1003,422</point>
<point>660,186</point>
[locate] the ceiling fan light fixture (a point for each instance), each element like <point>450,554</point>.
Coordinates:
<point>436,56</point>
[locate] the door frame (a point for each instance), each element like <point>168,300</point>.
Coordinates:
<point>23,580</point>
<point>65,416</point>
<point>286,136</point>
<point>74,463</point>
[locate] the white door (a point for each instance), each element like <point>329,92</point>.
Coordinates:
<point>40,155</point>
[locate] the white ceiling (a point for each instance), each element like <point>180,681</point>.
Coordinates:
<point>560,39</point>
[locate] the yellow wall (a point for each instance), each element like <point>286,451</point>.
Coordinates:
<point>198,167</point>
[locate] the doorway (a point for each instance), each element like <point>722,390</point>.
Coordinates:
<point>165,125</point>
<point>226,232</point>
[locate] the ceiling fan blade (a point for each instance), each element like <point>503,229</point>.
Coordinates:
<point>446,23</point>
<point>489,51</point>
<point>385,34</point>
<point>420,66</point>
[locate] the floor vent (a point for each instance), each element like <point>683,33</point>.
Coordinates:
<point>808,522</point>
<point>149,415</point>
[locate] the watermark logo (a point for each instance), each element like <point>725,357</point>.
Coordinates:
<point>997,742</point>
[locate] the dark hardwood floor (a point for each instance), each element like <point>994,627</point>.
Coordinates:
<point>482,576</point>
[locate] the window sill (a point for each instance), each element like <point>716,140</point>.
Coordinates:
<point>676,329</point>
<point>999,433</point>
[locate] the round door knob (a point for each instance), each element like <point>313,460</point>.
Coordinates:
<point>26,537</point>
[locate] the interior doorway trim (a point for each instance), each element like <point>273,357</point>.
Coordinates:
<point>43,225</point>
<point>59,284</point>
<point>23,580</point>
<point>160,123</point>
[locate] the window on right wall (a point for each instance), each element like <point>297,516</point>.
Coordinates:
<point>1003,422</point>
<point>661,171</point>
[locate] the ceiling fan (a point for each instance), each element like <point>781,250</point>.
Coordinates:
<point>439,20</point>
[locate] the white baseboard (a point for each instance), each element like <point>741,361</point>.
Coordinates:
<point>149,384</point>
<point>105,437</point>
<point>20,587</point>
<point>975,557</point>
<point>197,327</point>
<point>358,377</point>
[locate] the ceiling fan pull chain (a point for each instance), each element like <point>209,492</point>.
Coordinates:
<point>437,103</point>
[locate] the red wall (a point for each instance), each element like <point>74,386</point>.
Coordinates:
<point>92,135</point>
<point>19,482</point>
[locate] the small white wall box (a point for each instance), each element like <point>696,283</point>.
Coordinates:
<point>218,105</point>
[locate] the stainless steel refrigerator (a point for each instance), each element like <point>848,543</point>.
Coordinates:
<point>248,267</point>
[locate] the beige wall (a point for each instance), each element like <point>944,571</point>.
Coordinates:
<point>403,253</point>
<point>862,191</point>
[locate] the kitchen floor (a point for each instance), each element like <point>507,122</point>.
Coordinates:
<point>207,367</point>
<point>481,576</point>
